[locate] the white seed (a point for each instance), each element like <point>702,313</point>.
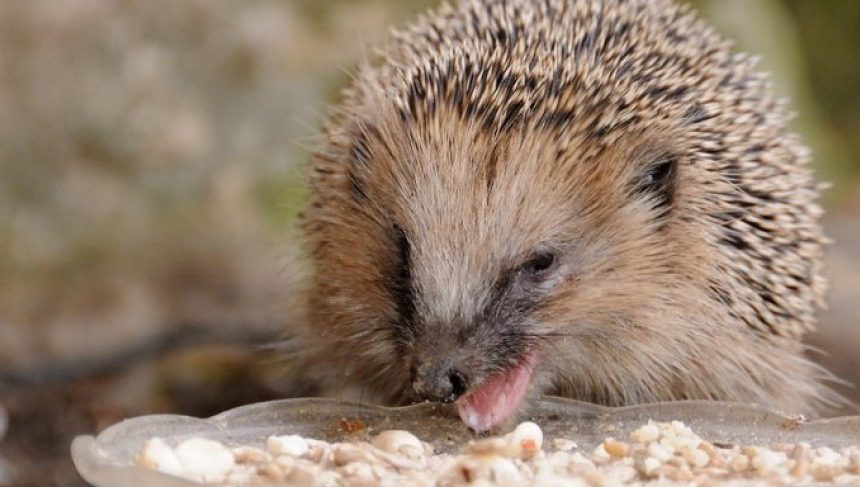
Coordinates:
<point>504,472</point>
<point>204,460</point>
<point>526,440</point>
<point>680,429</point>
<point>616,448</point>
<point>250,455</point>
<point>359,474</point>
<point>646,434</point>
<point>600,453</point>
<point>800,455</point>
<point>241,474</point>
<point>578,459</point>
<point>316,453</point>
<point>764,459</point>
<point>825,472</point>
<point>650,465</point>
<point>158,455</point>
<point>392,440</point>
<point>287,445</point>
<point>274,471</point>
<point>695,457</point>
<point>345,454</point>
<point>486,470</point>
<point>708,448</point>
<point>660,452</point>
<point>740,463</point>
<point>676,443</point>
<point>621,473</point>
<point>674,474</point>
<point>826,456</point>
<point>304,475</point>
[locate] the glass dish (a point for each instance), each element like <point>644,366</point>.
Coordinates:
<point>107,460</point>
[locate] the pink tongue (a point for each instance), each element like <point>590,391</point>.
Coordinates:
<point>497,399</point>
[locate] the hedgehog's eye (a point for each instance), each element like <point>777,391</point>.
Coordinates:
<point>659,180</point>
<point>539,264</point>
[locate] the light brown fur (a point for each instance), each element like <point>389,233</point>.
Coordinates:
<point>489,129</point>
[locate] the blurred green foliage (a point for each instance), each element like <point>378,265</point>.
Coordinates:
<point>830,33</point>
<point>809,49</point>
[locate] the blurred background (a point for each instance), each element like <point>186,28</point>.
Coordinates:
<point>151,157</point>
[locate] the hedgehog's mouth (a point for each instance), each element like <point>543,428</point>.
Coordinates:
<point>498,398</point>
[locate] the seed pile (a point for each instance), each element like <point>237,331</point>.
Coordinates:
<point>664,453</point>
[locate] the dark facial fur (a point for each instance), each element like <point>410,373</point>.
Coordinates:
<point>601,183</point>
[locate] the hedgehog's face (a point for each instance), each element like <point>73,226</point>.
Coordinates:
<point>487,261</point>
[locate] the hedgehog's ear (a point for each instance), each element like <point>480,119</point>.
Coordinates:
<point>656,181</point>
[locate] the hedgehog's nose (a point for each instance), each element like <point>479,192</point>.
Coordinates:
<point>440,381</point>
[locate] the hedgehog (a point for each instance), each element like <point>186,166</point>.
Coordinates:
<point>595,199</point>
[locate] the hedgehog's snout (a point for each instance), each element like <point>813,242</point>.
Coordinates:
<point>439,380</point>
